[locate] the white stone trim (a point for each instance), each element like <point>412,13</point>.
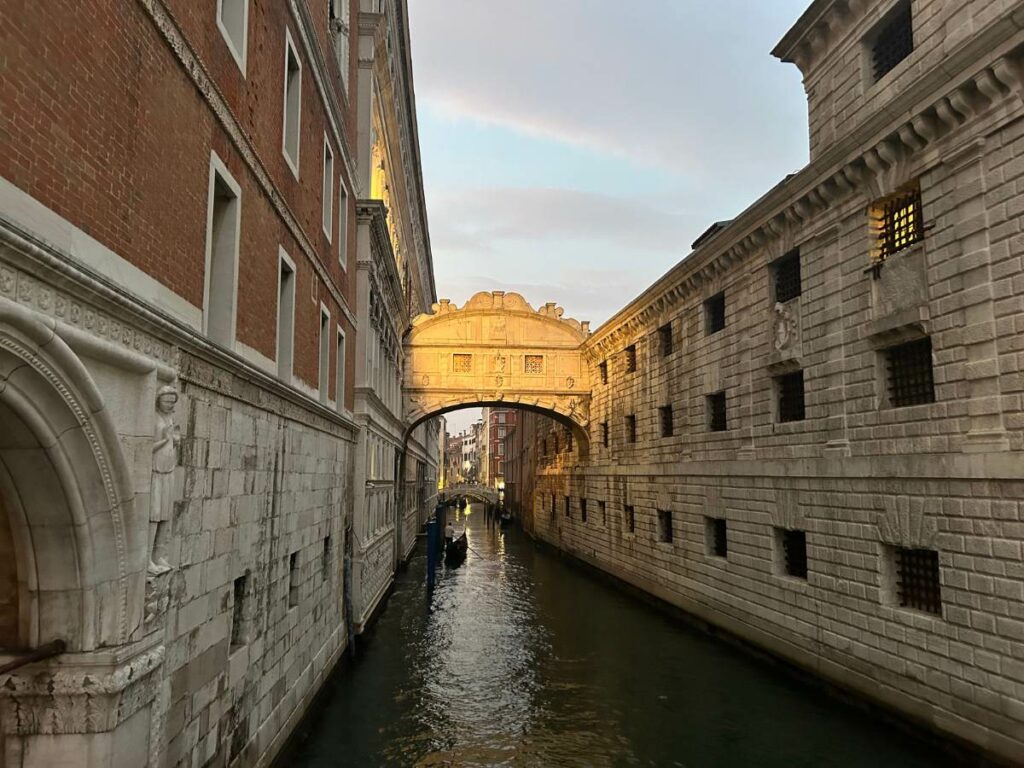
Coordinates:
<point>343,203</point>
<point>327,204</point>
<point>323,378</point>
<point>218,168</point>
<point>282,256</point>
<point>32,216</point>
<point>256,357</point>
<point>341,344</point>
<point>293,163</point>
<point>241,56</point>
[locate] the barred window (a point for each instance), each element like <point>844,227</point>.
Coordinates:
<point>535,364</point>
<point>716,530</point>
<point>786,273</point>
<point>604,434</point>
<point>603,509</point>
<point>567,506</point>
<point>898,221</point>
<point>604,372</point>
<point>790,388</point>
<point>631,358</point>
<point>893,42</point>
<point>583,510</point>
<point>631,429</point>
<point>462,363</point>
<point>665,418</point>
<point>665,339</point>
<point>794,552</point>
<point>917,579</point>
<point>714,314</point>
<point>665,526</point>
<point>717,421</point>
<point>909,369</point>
<point>630,514</point>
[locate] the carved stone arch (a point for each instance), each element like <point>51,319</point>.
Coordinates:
<point>67,491</point>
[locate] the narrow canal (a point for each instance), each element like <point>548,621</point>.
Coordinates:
<point>521,659</point>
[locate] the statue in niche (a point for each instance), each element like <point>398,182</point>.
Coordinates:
<point>785,327</point>
<point>161,495</point>
<point>499,363</point>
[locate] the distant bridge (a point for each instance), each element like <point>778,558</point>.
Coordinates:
<point>472,491</point>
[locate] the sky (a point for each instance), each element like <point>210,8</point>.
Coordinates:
<point>573,149</point>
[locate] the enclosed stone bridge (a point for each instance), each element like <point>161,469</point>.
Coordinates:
<point>497,350</point>
<point>472,491</point>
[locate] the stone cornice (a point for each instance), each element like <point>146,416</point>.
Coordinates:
<point>374,214</point>
<point>873,159</point>
<point>806,39</point>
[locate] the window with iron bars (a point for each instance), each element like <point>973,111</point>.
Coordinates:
<point>665,526</point>
<point>718,544</point>
<point>917,579</point>
<point>603,509</point>
<point>604,372</point>
<point>462,363</point>
<point>665,418</point>
<point>790,387</point>
<point>567,506</point>
<point>714,314</point>
<point>631,358</point>
<point>794,552</point>
<point>583,510</point>
<point>604,434</point>
<point>893,41</point>
<point>665,339</point>
<point>534,364</point>
<point>631,429</point>
<point>898,222</point>
<point>717,421</point>
<point>910,375</point>
<point>786,274</point>
<point>629,511</point>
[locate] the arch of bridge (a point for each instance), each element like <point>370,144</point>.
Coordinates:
<point>497,350</point>
<point>479,492</point>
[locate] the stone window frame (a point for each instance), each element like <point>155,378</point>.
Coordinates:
<point>631,361</point>
<point>583,509</point>
<point>218,259</point>
<point>327,192</point>
<point>778,392</point>
<point>665,530</point>
<point>458,358</point>
<point>241,620</point>
<point>324,355</point>
<point>869,44</point>
<point>538,365</point>
<point>879,224</point>
<point>237,48</point>
<point>630,428</point>
<point>776,269</point>
<point>343,200</point>
<point>285,353</point>
<point>602,507</point>
<point>666,420</point>
<point>605,442</point>
<point>883,374</point>
<point>904,523</point>
<point>291,112</point>
<point>341,360</point>
<point>603,368</point>
<point>293,580</point>
<point>716,537</point>
<point>781,556</point>
<point>666,342</point>
<point>715,314</point>
<point>629,520</point>
<point>710,404</point>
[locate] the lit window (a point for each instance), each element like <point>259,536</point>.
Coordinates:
<point>898,222</point>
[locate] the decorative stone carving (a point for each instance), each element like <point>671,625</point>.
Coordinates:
<point>903,523</point>
<point>785,327</point>
<point>165,459</point>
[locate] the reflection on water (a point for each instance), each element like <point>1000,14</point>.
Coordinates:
<point>519,659</point>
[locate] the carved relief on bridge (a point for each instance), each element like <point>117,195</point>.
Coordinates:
<point>496,348</point>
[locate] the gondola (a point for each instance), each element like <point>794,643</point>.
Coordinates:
<point>455,552</point>
<point>506,518</point>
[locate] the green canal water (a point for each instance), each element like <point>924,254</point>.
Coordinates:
<point>521,659</point>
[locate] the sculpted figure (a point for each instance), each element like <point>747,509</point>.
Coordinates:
<point>785,325</point>
<point>165,458</point>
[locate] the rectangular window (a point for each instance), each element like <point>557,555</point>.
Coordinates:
<point>665,339</point>
<point>917,579</point>
<point>631,429</point>
<point>239,635</point>
<point>568,440</point>
<point>462,363</point>
<point>717,419</point>
<point>793,547</point>
<point>339,371</point>
<point>222,238</point>
<point>328,189</point>
<point>909,373</point>
<point>630,514</point>
<point>790,389</point>
<point>786,276</point>
<point>325,559</point>
<point>604,372</point>
<point>292,104</point>
<point>552,507</point>
<point>293,579</point>
<point>603,509</point>
<point>339,18</point>
<point>567,506</point>
<point>665,419</point>
<point>604,434</point>
<point>665,526</point>
<point>897,222</point>
<point>717,541</point>
<point>714,314</point>
<point>233,22</point>
<point>534,363</point>
<point>285,316</point>
<point>893,41</point>
<point>325,353</point>
<point>631,358</point>
<point>583,510</point>
<point>342,224</point>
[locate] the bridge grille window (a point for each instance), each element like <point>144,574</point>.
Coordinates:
<point>791,396</point>
<point>910,375</point>
<point>604,434</point>
<point>897,221</point>
<point>794,552</point>
<point>665,526</point>
<point>630,513</point>
<point>535,363</point>
<point>787,276</point>
<point>631,429</point>
<point>665,418</point>
<point>665,339</point>
<point>893,42</point>
<point>717,419</point>
<point>717,532</point>
<point>631,358</point>
<point>917,579</point>
<point>583,509</point>
<point>714,314</point>
<point>604,372</point>
<point>462,363</point>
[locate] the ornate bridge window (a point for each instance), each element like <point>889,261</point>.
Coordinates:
<point>462,363</point>
<point>534,364</point>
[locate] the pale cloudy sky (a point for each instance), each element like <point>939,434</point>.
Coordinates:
<point>573,149</point>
